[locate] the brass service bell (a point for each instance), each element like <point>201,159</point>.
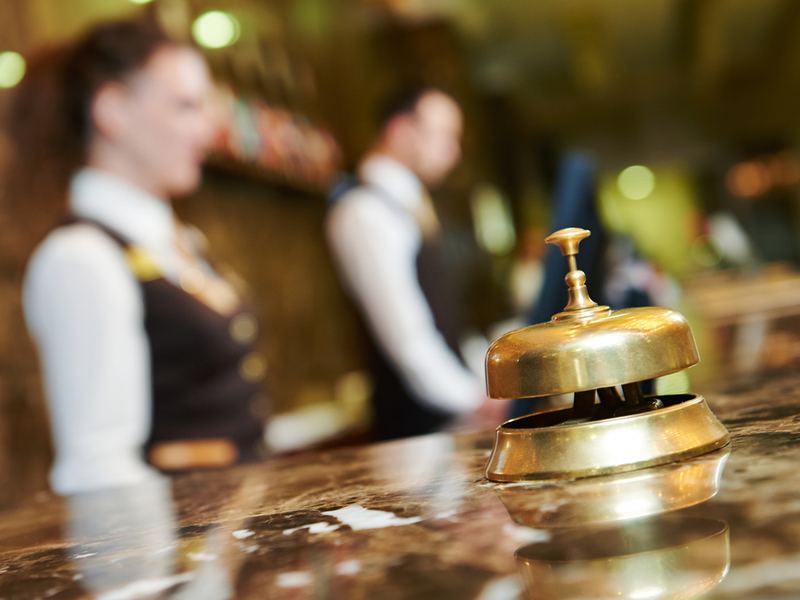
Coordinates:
<point>597,354</point>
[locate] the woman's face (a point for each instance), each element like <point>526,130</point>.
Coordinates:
<point>159,125</point>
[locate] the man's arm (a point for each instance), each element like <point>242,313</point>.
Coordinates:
<point>376,254</point>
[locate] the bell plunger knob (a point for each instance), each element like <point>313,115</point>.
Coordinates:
<point>568,240</point>
<point>579,300</point>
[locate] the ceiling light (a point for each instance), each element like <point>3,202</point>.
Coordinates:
<point>12,69</point>
<point>636,182</point>
<point>216,29</point>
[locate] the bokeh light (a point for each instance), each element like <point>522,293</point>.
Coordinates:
<point>748,179</point>
<point>636,182</point>
<point>141,1</point>
<point>493,220</point>
<point>754,178</point>
<point>216,29</point>
<point>12,69</point>
<point>784,169</point>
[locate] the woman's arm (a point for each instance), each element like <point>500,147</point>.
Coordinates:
<point>86,313</point>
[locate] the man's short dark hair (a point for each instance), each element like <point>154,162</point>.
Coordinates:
<point>405,102</point>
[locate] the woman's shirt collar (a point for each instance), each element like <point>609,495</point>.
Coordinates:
<point>118,204</point>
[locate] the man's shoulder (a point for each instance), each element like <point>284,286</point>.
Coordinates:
<point>362,219</point>
<point>365,201</point>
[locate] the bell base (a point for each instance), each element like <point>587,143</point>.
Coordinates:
<point>542,446</point>
<point>608,499</point>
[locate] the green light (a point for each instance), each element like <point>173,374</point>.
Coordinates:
<point>12,68</point>
<point>493,221</point>
<point>636,182</point>
<point>215,29</point>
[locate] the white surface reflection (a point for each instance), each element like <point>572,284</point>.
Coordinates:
<point>127,545</point>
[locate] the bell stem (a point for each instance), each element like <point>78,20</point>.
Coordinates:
<point>573,262</point>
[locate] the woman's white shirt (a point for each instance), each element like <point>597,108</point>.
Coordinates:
<point>85,310</point>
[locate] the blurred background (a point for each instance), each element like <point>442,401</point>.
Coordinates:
<point>688,110</point>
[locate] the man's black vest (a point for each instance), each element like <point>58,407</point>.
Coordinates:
<point>397,412</point>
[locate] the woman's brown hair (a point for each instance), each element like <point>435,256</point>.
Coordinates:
<point>49,125</point>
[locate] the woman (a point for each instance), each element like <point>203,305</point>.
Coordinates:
<point>141,343</point>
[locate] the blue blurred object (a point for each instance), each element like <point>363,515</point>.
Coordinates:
<point>574,195</point>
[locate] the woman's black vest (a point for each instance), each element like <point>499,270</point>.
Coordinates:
<point>200,389</point>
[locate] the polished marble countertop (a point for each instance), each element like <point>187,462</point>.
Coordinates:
<point>417,519</point>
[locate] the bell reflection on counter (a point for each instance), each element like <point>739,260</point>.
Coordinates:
<point>596,353</point>
<point>658,559</point>
<point>619,536</point>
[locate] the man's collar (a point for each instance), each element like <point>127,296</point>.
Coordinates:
<point>393,178</point>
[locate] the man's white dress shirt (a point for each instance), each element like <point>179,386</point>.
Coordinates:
<point>85,311</point>
<point>375,240</point>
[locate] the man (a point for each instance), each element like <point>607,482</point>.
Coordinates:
<point>380,233</point>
